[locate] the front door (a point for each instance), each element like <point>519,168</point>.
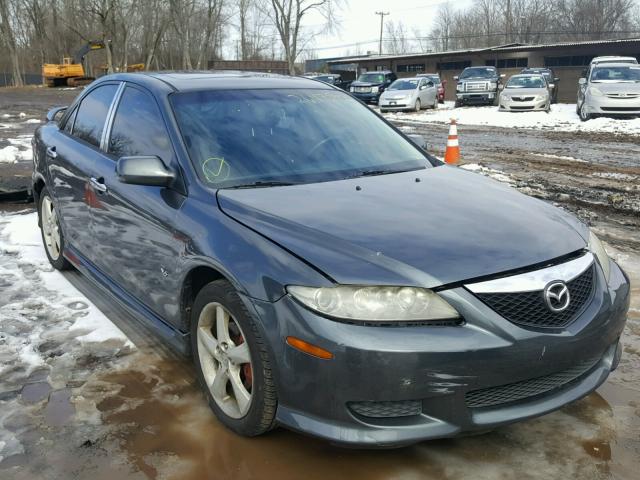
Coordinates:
<point>136,245</point>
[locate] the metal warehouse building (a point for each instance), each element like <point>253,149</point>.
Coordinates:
<point>568,60</point>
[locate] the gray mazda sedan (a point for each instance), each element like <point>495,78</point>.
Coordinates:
<point>325,273</point>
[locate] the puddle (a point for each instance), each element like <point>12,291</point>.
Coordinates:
<point>59,409</point>
<point>35,392</point>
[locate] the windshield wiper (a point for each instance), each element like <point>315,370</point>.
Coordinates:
<point>263,184</point>
<point>373,173</point>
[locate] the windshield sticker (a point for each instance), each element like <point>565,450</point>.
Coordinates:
<point>215,169</point>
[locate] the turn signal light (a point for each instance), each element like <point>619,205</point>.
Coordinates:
<point>308,348</point>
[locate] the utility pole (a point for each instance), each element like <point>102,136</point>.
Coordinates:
<point>508,29</point>
<point>382,15</point>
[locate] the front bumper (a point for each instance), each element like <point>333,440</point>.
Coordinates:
<point>612,106</point>
<point>476,98</point>
<point>367,97</point>
<point>435,366</point>
<point>401,104</point>
<point>516,106</point>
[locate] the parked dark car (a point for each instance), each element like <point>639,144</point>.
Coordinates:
<point>370,85</point>
<point>478,86</point>
<point>332,79</point>
<point>549,76</point>
<point>440,84</point>
<point>325,272</point>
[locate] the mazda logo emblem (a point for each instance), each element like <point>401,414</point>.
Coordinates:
<point>556,296</point>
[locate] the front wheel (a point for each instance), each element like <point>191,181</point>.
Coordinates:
<point>52,236</point>
<point>584,114</point>
<point>232,361</point>
<point>418,106</point>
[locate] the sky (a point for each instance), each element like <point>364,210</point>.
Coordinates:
<point>359,26</point>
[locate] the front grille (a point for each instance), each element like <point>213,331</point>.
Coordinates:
<point>621,109</point>
<point>623,96</point>
<point>530,310</point>
<point>362,89</point>
<point>512,392</point>
<point>389,409</point>
<point>521,108</point>
<point>522,99</point>
<point>476,87</point>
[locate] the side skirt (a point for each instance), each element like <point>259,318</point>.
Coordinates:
<point>175,338</point>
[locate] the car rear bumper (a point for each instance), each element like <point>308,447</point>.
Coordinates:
<point>392,386</point>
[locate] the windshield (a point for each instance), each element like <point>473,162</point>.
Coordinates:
<point>526,82</point>
<point>616,74</point>
<point>404,85</point>
<point>240,137</point>
<point>371,77</point>
<point>479,72</point>
<point>434,78</point>
<point>325,78</point>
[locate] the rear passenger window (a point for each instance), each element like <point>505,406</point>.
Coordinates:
<point>138,128</point>
<point>92,113</point>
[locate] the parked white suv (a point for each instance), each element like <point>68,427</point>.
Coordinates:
<point>613,59</point>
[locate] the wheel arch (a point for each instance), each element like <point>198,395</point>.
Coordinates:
<point>195,279</point>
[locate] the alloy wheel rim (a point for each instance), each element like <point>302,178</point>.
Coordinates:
<point>50,228</point>
<point>225,360</point>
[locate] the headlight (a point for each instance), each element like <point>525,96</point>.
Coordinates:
<point>596,247</point>
<point>493,86</point>
<point>375,89</point>
<point>352,89</point>
<point>375,304</point>
<point>505,97</point>
<point>539,98</point>
<point>459,87</point>
<point>596,92</point>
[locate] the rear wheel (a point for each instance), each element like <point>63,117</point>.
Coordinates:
<point>232,361</point>
<point>435,103</point>
<point>52,236</point>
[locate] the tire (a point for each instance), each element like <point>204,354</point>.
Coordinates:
<point>435,103</point>
<point>418,106</point>
<point>458,104</point>
<point>258,415</point>
<point>53,239</point>
<point>382,110</point>
<point>584,116</point>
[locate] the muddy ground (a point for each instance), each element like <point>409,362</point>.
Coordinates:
<point>114,410</point>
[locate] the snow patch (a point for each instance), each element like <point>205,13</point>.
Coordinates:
<point>20,149</point>
<point>488,172</point>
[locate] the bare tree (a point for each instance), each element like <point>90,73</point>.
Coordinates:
<point>7,18</point>
<point>287,16</point>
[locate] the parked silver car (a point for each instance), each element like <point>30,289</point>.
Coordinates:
<point>409,94</point>
<point>525,93</point>
<point>609,89</point>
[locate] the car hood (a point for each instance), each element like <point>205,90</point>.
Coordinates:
<point>617,87</point>
<point>451,225</point>
<point>525,92</point>
<point>478,79</point>
<point>398,93</point>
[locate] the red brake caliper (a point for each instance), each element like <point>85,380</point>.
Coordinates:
<point>247,372</point>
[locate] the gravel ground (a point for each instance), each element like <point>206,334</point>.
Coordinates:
<point>116,403</point>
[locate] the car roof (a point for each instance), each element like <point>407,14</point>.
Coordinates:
<point>617,64</point>
<point>612,58</point>
<point>212,80</point>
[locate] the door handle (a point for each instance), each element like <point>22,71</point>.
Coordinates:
<point>51,152</point>
<point>98,185</point>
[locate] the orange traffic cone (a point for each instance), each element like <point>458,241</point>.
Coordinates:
<point>452,154</point>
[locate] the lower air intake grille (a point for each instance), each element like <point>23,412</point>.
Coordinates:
<point>530,310</point>
<point>404,408</point>
<point>488,397</point>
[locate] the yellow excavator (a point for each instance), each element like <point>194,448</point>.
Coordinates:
<point>71,71</point>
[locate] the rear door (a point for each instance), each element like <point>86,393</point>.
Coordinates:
<point>71,154</point>
<point>136,245</point>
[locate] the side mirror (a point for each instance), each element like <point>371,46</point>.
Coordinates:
<point>423,87</point>
<point>456,78</point>
<point>430,84</point>
<point>418,140</point>
<point>144,170</point>
<point>552,85</point>
<point>582,81</point>
<point>54,112</point>
<point>556,79</point>
<point>501,86</point>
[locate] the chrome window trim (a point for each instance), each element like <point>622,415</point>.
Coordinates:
<point>106,131</point>
<point>535,280</point>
